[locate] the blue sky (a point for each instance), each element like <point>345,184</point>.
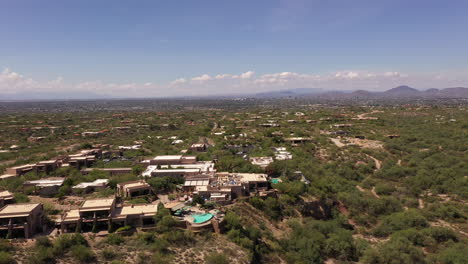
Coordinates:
<point>110,45</point>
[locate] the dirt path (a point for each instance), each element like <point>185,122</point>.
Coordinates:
<point>360,188</point>
<point>421,203</point>
<point>378,163</point>
<point>445,224</point>
<point>374,193</point>
<point>337,142</point>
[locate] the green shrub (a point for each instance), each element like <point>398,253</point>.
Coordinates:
<point>400,221</point>
<point>114,239</point>
<point>42,255</point>
<point>109,254</point>
<point>216,258</point>
<point>5,245</point>
<point>440,234</point>
<point>384,189</point>
<point>454,254</point>
<point>6,258</point>
<point>123,229</point>
<point>66,241</point>
<point>21,198</point>
<point>43,241</point>
<point>398,250</point>
<point>82,253</point>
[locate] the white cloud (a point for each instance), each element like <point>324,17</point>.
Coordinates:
<point>247,75</point>
<point>178,82</point>
<point>243,83</point>
<point>202,78</point>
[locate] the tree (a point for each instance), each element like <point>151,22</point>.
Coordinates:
<point>396,251</point>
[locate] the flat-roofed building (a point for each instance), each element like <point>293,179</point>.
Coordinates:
<point>46,186</point>
<point>87,187</point>
<point>199,147</point>
<point>46,166</point>
<point>20,170</point>
<point>224,186</point>
<point>92,213</point>
<point>180,170</point>
<point>6,197</point>
<point>21,220</point>
<point>104,213</point>
<point>111,171</point>
<point>138,215</point>
<point>133,189</point>
<point>173,160</point>
<point>263,162</point>
<point>77,161</point>
<point>298,140</point>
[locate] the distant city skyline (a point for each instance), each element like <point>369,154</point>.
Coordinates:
<point>192,48</point>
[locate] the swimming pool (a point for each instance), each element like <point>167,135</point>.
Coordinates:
<point>201,218</point>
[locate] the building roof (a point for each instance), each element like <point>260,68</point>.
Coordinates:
<point>173,206</point>
<point>47,182</point>
<point>168,157</point>
<point>176,170</point>
<point>107,169</point>
<point>18,210</point>
<point>197,182</point>
<point>71,215</point>
<point>134,184</point>
<point>6,176</point>
<point>97,204</point>
<point>253,177</point>
<point>140,209</point>
<point>6,195</point>
<point>96,183</point>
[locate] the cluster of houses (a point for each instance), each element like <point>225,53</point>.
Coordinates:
<point>84,158</point>
<point>200,178</point>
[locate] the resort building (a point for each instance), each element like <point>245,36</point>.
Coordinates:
<point>20,170</point>
<point>45,187</point>
<point>180,170</point>
<point>263,162</point>
<point>88,187</point>
<point>298,140</point>
<point>21,220</point>
<point>133,189</point>
<point>282,154</point>
<point>172,160</point>
<point>100,214</point>
<point>198,147</point>
<point>111,171</point>
<point>6,197</point>
<point>47,166</point>
<point>225,187</point>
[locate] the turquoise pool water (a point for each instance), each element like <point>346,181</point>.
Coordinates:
<point>201,218</point>
<point>274,181</point>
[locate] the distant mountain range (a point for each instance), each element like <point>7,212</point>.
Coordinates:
<point>293,92</point>
<point>400,92</point>
<point>394,93</point>
<point>52,96</point>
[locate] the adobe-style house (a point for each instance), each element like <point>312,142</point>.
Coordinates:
<point>45,187</point>
<point>6,197</point>
<point>111,171</point>
<point>21,220</point>
<point>47,166</point>
<point>102,214</point>
<point>198,147</point>
<point>224,187</point>
<point>133,189</point>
